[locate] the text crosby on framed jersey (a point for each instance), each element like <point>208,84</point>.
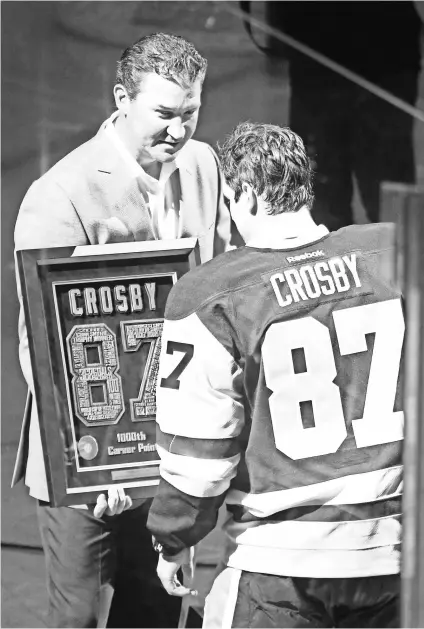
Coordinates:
<point>104,300</point>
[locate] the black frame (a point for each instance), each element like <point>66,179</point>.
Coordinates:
<point>40,272</point>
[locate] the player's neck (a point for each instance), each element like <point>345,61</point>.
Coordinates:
<point>291,229</point>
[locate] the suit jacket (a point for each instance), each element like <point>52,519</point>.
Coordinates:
<point>90,197</point>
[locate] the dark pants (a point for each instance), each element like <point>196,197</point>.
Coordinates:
<point>349,131</point>
<point>272,601</point>
<point>90,562</point>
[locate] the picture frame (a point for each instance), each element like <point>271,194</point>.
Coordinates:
<point>94,316</point>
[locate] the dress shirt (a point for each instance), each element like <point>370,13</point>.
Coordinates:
<point>161,196</point>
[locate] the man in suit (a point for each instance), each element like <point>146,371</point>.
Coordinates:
<point>141,177</point>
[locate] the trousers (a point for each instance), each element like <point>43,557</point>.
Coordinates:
<point>102,572</point>
<point>253,600</point>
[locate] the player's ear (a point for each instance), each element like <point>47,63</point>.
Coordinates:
<point>250,197</point>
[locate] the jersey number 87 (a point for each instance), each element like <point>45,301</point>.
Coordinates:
<point>379,423</point>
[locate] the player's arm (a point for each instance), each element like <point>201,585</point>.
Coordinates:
<point>200,416</point>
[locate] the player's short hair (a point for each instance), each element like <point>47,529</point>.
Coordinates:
<point>273,160</point>
<point>169,56</point>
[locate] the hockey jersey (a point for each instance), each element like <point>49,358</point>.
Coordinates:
<point>279,390</point>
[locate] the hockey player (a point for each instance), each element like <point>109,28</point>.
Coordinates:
<point>279,392</point>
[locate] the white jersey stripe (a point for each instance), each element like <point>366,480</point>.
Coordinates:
<point>318,564</point>
<point>197,477</point>
<point>349,535</point>
<point>353,489</point>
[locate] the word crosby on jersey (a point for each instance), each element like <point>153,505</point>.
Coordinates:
<point>310,281</point>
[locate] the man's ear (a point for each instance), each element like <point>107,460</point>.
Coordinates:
<point>121,97</point>
<point>251,197</point>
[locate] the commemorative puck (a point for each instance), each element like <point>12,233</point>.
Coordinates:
<point>88,447</point>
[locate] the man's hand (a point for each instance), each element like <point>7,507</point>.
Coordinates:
<point>167,572</point>
<point>117,502</point>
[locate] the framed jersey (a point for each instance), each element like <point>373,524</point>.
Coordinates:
<point>94,316</point>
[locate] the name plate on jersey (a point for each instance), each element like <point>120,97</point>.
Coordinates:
<point>94,316</point>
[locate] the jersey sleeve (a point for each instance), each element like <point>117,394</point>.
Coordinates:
<point>200,415</point>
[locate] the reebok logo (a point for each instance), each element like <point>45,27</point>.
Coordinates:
<point>319,253</point>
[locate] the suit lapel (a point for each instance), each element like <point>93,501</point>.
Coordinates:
<point>122,189</point>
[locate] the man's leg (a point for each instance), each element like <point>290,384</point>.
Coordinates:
<point>80,564</point>
<point>368,602</point>
<point>139,599</point>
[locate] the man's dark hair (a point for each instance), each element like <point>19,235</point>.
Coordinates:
<point>169,56</point>
<point>273,161</point>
